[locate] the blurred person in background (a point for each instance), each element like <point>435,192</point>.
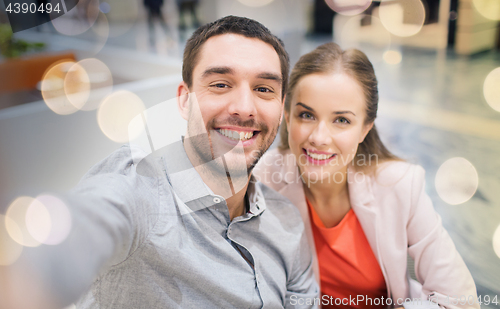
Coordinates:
<point>154,13</point>
<point>162,230</point>
<point>189,6</point>
<point>364,209</point>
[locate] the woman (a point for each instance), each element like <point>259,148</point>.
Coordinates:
<point>364,209</point>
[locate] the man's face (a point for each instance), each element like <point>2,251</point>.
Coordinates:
<point>237,107</point>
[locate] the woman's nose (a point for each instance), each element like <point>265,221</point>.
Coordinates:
<point>320,135</point>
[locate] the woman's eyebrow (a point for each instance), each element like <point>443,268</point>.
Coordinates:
<point>343,112</point>
<point>336,112</point>
<point>305,106</point>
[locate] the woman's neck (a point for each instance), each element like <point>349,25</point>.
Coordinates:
<point>330,199</point>
<point>327,189</point>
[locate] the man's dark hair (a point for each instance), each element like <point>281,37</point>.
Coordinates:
<point>237,25</point>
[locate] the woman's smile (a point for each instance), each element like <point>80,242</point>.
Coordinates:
<point>318,157</point>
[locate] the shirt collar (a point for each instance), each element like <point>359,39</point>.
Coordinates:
<point>181,173</point>
<point>255,197</point>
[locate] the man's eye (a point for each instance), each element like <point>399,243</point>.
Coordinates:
<point>219,85</point>
<point>263,89</point>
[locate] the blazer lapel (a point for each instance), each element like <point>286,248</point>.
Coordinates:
<point>362,201</point>
<point>361,197</point>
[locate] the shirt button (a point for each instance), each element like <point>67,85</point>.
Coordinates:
<point>216,200</point>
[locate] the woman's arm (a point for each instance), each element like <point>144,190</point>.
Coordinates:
<point>438,266</point>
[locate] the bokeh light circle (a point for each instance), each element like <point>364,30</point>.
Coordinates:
<point>77,86</point>
<point>496,241</point>
<point>16,226</point>
<point>491,89</point>
<point>488,8</point>
<point>352,34</point>
<point>456,181</point>
<point>402,17</point>
<point>100,82</point>
<point>100,33</point>
<point>38,221</point>
<point>255,3</point>
<point>392,57</point>
<point>48,220</point>
<point>349,7</point>
<point>79,19</point>
<point>116,112</point>
<point>10,250</point>
<point>122,15</point>
<point>52,88</point>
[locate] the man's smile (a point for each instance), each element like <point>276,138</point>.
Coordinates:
<point>233,135</point>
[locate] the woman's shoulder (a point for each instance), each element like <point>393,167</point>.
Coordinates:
<point>397,185</point>
<point>398,173</point>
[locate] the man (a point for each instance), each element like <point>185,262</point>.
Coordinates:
<point>186,226</point>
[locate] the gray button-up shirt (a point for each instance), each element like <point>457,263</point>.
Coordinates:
<point>157,237</point>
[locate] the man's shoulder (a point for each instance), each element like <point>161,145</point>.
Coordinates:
<point>122,161</point>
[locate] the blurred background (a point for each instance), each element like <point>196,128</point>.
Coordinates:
<point>70,87</point>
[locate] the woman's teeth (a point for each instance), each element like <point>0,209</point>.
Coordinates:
<point>234,135</point>
<point>318,156</point>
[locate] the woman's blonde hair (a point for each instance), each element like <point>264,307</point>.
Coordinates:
<point>330,58</point>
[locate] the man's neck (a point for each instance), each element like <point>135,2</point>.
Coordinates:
<point>236,204</point>
<point>221,184</point>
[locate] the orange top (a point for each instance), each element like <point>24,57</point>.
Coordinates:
<point>347,265</point>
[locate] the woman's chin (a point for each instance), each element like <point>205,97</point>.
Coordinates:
<point>313,174</point>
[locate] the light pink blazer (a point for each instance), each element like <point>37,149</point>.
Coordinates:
<point>398,218</point>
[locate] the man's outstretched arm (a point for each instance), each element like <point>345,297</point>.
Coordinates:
<point>110,217</point>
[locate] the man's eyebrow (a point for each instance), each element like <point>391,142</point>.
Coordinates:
<point>217,70</point>
<point>270,76</point>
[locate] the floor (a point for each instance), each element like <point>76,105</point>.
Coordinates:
<point>431,109</point>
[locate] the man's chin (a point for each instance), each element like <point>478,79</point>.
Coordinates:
<point>237,162</point>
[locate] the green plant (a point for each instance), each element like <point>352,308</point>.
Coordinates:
<point>11,47</point>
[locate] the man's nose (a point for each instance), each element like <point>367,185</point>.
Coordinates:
<point>243,103</point>
<point>320,135</point>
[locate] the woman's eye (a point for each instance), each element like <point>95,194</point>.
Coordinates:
<point>343,120</point>
<point>306,115</point>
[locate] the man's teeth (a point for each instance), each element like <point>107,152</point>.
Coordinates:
<point>237,136</point>
<point>318,156</point>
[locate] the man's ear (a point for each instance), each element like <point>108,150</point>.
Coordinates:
<point>183,100</point>
<point>366,128</point>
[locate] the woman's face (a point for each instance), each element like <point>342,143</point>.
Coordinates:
<point>326,124</point>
